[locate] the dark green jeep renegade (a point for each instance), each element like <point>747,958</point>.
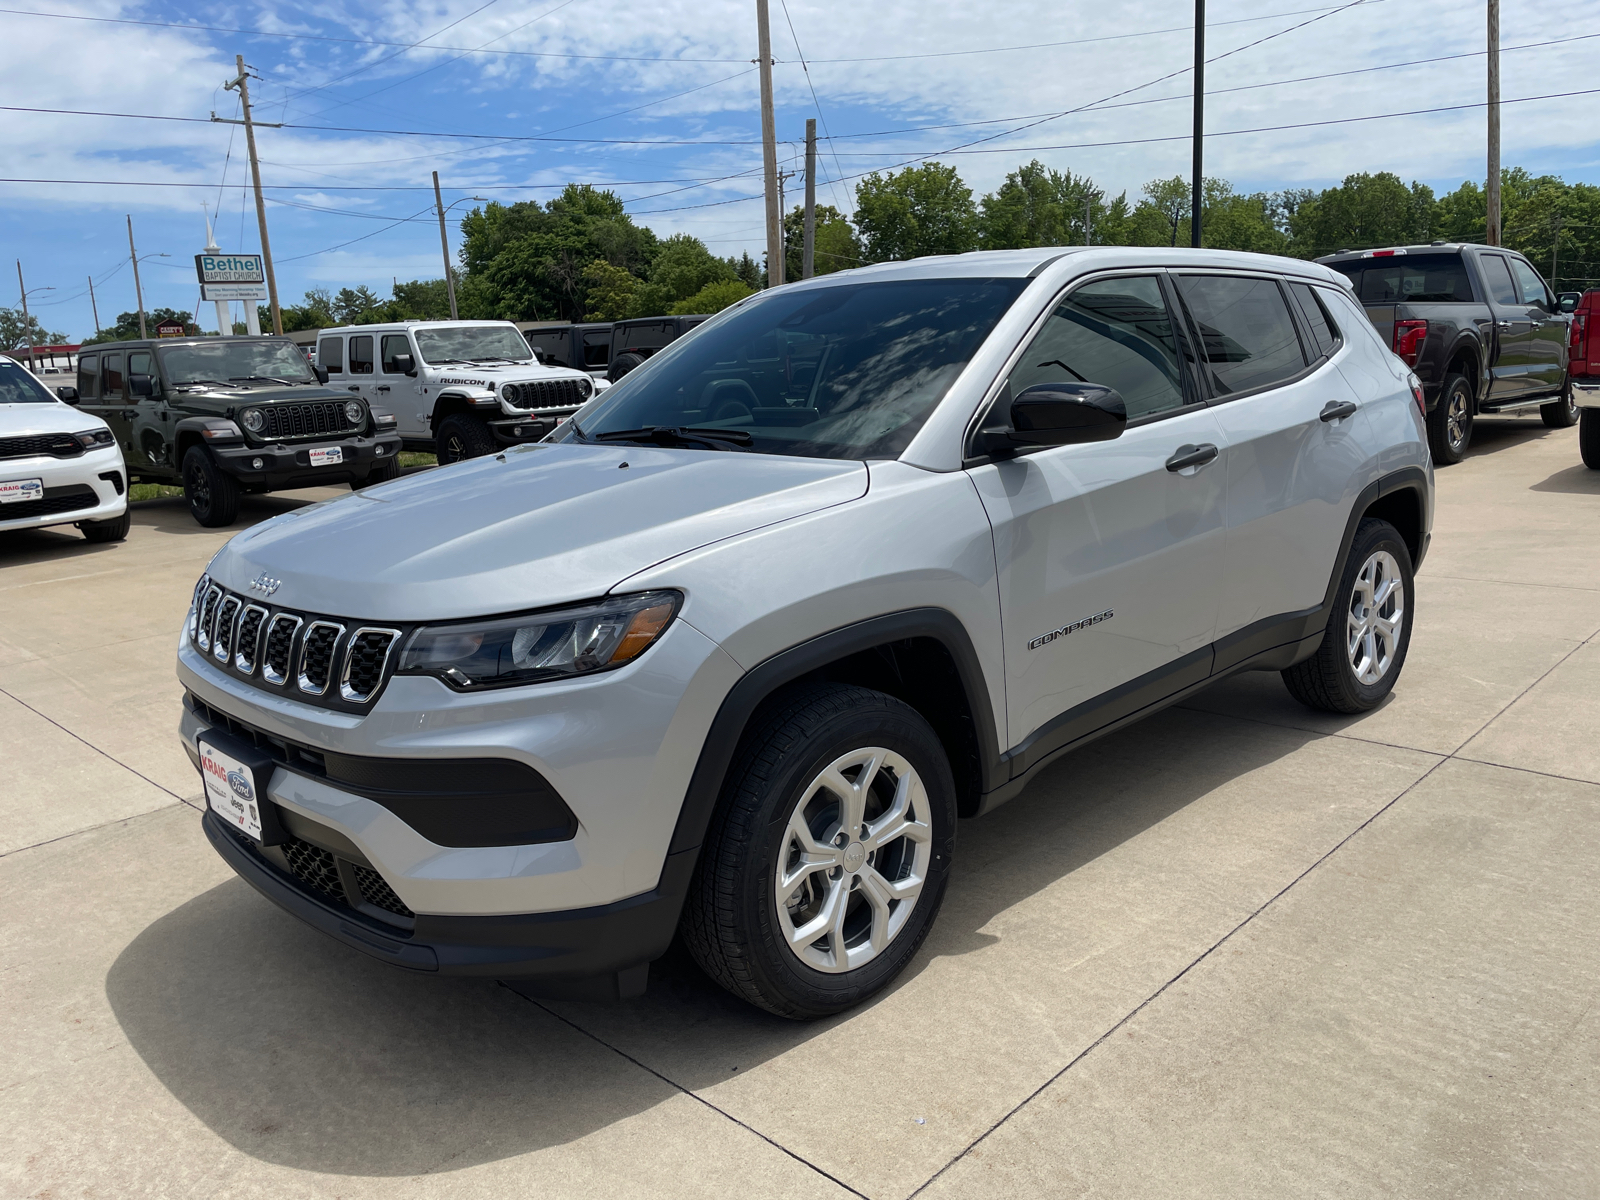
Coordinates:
<point>230,415</point>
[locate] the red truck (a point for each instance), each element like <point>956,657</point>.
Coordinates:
<point>1584,356</point>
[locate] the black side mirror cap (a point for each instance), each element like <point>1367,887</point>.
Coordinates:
<point>321,373</point>
<point>405,364</point>
<point>141,385</point>
<point>68,395</point>
<point>1057,414</point>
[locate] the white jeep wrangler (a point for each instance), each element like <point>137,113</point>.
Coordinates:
<point>460,389</point>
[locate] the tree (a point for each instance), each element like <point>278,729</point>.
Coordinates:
<point>15,333</point>
<point>1036,206</point>
<point>749,272</point>
<point>713,298</point>
<point>314,312</point>
<point>1163,213</point>
<point>610,291</point>
<point>918,211</point>
<point>357,306</point>
<point>836,247</point>
<point>420,300</point>
<point>1363,211</point>
<point>683,266</point>
<point>127,325</point>
<point>1231,221</point>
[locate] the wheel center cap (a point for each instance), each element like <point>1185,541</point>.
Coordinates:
<point>854,855</point>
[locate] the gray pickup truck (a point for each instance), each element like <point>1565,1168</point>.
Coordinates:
<point>1478,325</point>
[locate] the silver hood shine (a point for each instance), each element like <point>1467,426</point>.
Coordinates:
<point>542,524</point>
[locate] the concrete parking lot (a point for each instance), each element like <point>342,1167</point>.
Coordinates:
<point>1240,949</point>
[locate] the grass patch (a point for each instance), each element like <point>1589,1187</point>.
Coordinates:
<point>416,458</point>
<point>153,491</point>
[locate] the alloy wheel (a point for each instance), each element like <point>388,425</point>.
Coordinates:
<point>1455,419</point>
<point>1376,616</point>
<point>853,860</point>
<point>199,490</point>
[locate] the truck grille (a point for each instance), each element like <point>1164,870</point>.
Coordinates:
<point>546,393</point>
<point>311,419</point>
<point>303,655</point>
<point>56,445</point>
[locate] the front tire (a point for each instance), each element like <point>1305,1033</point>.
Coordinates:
<point>1369,631</point>
<point>462,437</point>
<point>113,530</point>
<point>1450,422</point>
<point>383,472</point>
<point>827,859</point>
<point>1561,413</point>
<point>212,493</point>
<point>1589,438</point>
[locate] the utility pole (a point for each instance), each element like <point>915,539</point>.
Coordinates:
<point>93,307</point>
<point>1199,119</point>
<point>783,234</point>
<point>1491,191</point>
<point>444,244</point>
<point>1555,254</point>
<point>808,251</point>
<point>138,292</point>
<point>1088,219</point>
<point>242,82</point>
<point>769,151</point>
<point>27,324</point>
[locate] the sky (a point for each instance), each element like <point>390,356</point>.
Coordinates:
<point>510,100</point>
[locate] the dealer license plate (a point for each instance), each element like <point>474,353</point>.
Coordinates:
<point>327,456</point>
<point>231,790</point>
<point>21,489</point>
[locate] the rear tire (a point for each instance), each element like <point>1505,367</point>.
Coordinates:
<point>789,847</point>
<point>212,493</point>
<point>1589,438</point>
<point>462,437</point>
<point>113,530</point>
<point>1369,631</point>
<point>1562,413</point>
<point>1450,422</point>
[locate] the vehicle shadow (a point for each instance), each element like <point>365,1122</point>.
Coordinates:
<point>1576,480</point>
<point>1490,435</point>
<point>300,1051</point>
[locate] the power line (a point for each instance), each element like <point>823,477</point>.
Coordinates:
<point>839,167</point>
<point>354,240</point>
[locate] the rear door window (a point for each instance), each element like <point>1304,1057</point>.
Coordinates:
<point>111,376</point>
<point>330,355</point>
<point>1323,331</point>
<point>1501,286</point>
<point>1247,337</point>
<point>597,348</point>
<point>361,355</point>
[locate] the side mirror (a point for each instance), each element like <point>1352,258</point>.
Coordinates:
<point>1568,301</point>
<point>321,373</point>
<point>141,385</point>
<point>1057,414</point>
<point>68,394</point>
<point>405,364</point>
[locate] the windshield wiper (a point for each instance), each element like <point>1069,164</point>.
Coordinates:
<point>677,435</point>
<point>499,358</point>
<point>268,378</point>
<point>201,383</point>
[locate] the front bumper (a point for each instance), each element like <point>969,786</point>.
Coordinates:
<point>289,466</point>
<point>91,487</point>
<point>531,426</point>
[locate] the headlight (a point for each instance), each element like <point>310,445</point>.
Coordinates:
<point>352,412</point>
<point>253,419</point>
<point>509,393</point>
<point>555,644</point>
<point>586,387</point>
<point>90,438</point>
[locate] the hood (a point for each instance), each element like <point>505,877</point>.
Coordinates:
<point>262,394</point>
<point>491,375</point>
<point>541,524</point>
<point>24,420</point>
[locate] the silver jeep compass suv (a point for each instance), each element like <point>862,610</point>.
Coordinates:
<point>732,651</point>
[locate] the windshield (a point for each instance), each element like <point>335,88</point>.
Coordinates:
<point>229,360</point>
<point>18,386</point>
<point>473,343</point>
<point>848,371</point>
<point>1418,278</point>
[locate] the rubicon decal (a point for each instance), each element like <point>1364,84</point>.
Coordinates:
<point>1072,628</point>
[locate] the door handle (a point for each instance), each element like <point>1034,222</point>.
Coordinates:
<point>129,414</point>
<point>1337,410</point>
<point>1502,324</point>
<point>354,387</point>
<point>383,387</point>
<point>1191,456</point>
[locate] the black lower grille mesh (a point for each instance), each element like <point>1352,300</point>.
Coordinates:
<point>57,445</point>
<point>75,498</point>
<point>314,867</point>
<point>378,893</point>
<point>316,658</point>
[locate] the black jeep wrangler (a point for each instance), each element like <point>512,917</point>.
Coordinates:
<point>226,415</point>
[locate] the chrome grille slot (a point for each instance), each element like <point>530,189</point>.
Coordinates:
<point>316,656</point>
<point>280,648</point>
<point>208,616</point>
<point>366,657</point>
<point>222,640</point>
<point>248,642</point>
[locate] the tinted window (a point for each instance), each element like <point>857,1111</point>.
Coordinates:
<point>850,370</point>
<point>233,360</point>
<point>1246,335</point>
<point>111,378</point>
<point>330,354</point>
<point>394,343</point>
<point>1529,286</point>
<point>361,355</point>
<point>88,377</point>
<point>1318,321</point>
<point>1114,331</point>
<point>597,348</point>
<point>141,362</point>
<point>1419,278</point>
<point>18,386</point>
<point>1501,285</point>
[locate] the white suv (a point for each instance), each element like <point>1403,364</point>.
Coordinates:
<point>461,389</point>
<point>733,651</point>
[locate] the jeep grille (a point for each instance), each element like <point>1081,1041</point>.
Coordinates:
<point>546,393</point>
<point>312,419</point>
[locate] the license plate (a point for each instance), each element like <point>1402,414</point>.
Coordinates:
<point>327,456</point>
<point>21,489</point>
<point>231,790</point>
